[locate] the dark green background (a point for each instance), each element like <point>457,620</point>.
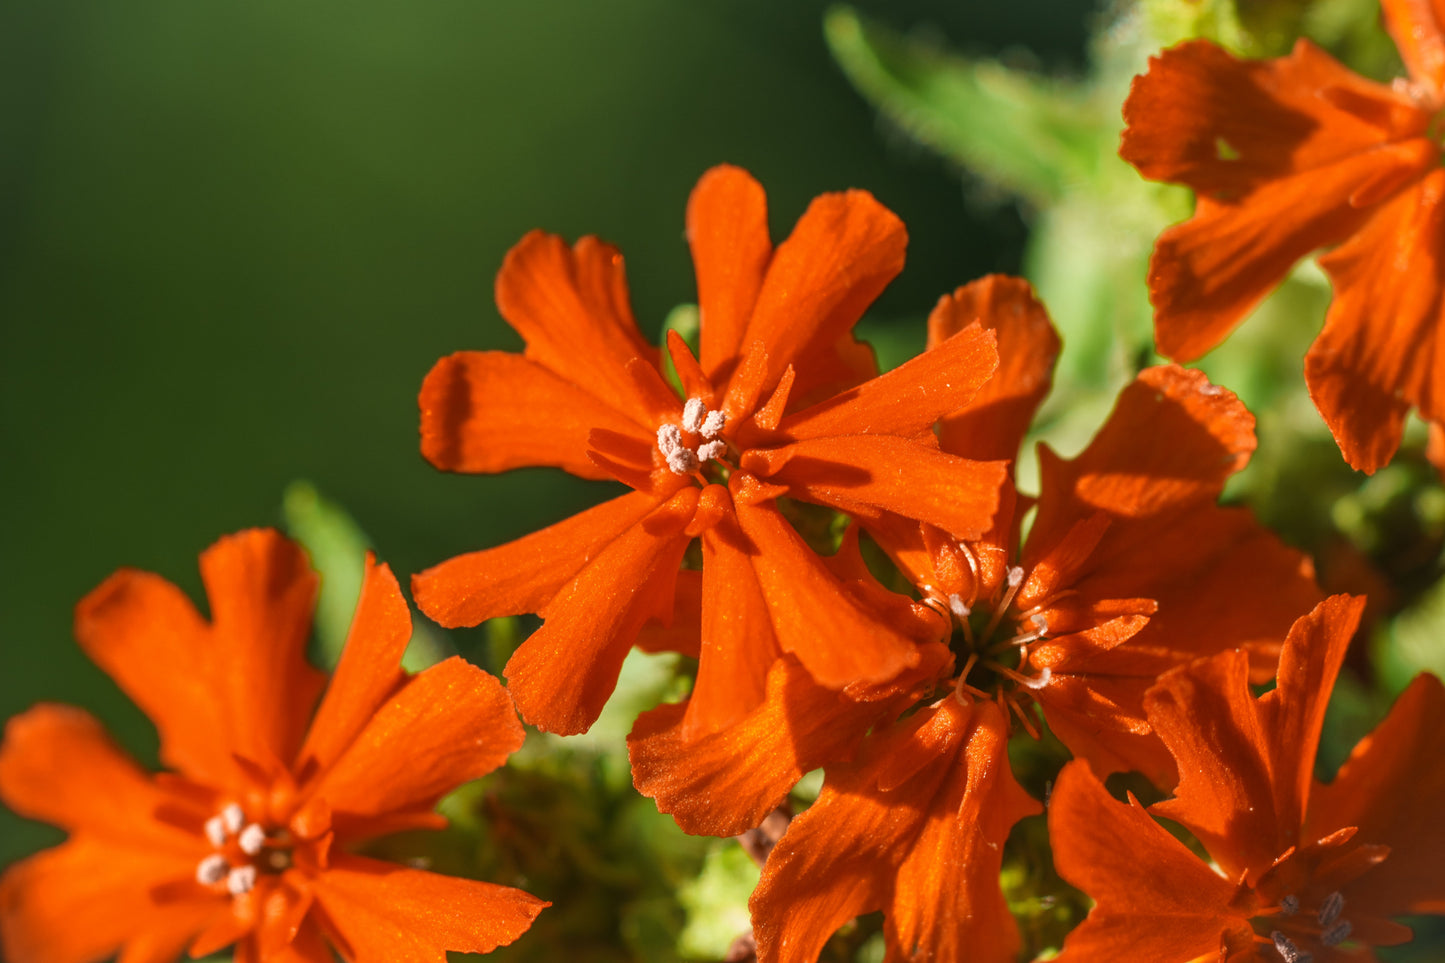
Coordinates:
<point>235,235</point>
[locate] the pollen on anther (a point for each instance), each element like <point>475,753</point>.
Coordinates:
<point>682,461</point>
<point>1287,949</point>
<point>958,607</point>
<point>669,440</point>
<point>241,880</point>
<point>252,839</point>
<point>709,450</point>
<point>1289,905</point>
<point>693,414</point>
<point>713,424</point>
<point>215,831</point>
<point>212,870</point>
<point>233,817</point>
<point>1331,908</point>
<point>1336,934</point>
<point>1015,577</point>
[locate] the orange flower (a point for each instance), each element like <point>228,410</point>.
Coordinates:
<point>247,840</point>
<point>1290,155</point>
<point>1121,575</point>
<point>763,418</point>
<point>1301,871</point>
<point>915,828</point>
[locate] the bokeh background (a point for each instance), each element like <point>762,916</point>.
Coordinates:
<point>234,237</point>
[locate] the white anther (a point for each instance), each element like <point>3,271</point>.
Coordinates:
<point>709,450</point>
<point>692,415</point>
<point>958,607</point>
<point>1336,934</point>
<point>216,832</point>
<point>1045,674</point>
<point>1041,623</point>
<point>241,880</point>
<point>1331,908</point>
<point>713,424</point>
<point>1015,577</point>
<point>682,461</point>
<point>253,837</point>
<point>233,817</point>
<point>212,870</point>
<point>669,440</point>
<point>1287,949</point>
<point>1289,905</point>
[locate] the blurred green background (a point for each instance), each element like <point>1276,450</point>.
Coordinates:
<point>234,237</point>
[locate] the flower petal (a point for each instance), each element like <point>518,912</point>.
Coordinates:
<point>448,725</point>
<point>565,672</point>
<point>840,637</point>
<point>90,898</point>
<point>262,591</point>
<point>489,411</point>
<point>1246,764</point>
<point>1154,899</point>
<point>57,764</point>
<point>993,425</point>
<point>725,780</point>
<point>727,229</point>
<point>1391,788</point>
<point>1418,27</point>
<point>842,253</point>
<point>1381,349</point>
<point>864,475</point>
<point>1225,126</point>
<point>147,636</point>
<point>369,669</point>
<point>570,304</point>
<point>915,828</point>
<point>523,575</point>
<point>382,913</point>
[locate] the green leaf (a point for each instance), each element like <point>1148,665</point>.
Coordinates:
<point>1026,134</point>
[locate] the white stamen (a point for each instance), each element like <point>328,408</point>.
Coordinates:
<point>682,461</point>
<point>1015,576</point>
<point>1045,674</point>
<point>713,424</point>
<point>241,880</point>
<point>216,832</point>
<point>253,837</point>
<point>1041,623</point>
<point>212,870</point>
<point>669,440</point>
<point>958,607</point>
<point>1336,934</point>
<point>1287,949</point>
<point>1330,909</point>
<point>692,415</point>
<point>709,450</point>
<point>1289,905</point>
<point>233,817</point>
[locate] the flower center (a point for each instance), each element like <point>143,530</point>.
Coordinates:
<point>243,850</point>
<point>697,441</point>
<point>990,639</point>
<point>1329,928</point>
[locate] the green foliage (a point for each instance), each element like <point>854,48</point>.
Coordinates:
<point>717,901</point>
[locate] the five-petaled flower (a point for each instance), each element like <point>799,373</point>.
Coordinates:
<point>247,839</point>
<point>780,403</point>
<point>1300,871</point>
<point>1291,155</point>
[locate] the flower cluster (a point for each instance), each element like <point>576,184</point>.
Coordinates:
<point>856,570</point>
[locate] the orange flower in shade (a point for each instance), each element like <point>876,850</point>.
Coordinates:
<point>247,840</point>
<point>1120,577</point>
<point>1294,154</point>
<point>914,827</point>
<point>778,403</point>
<point>1301,872</point>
